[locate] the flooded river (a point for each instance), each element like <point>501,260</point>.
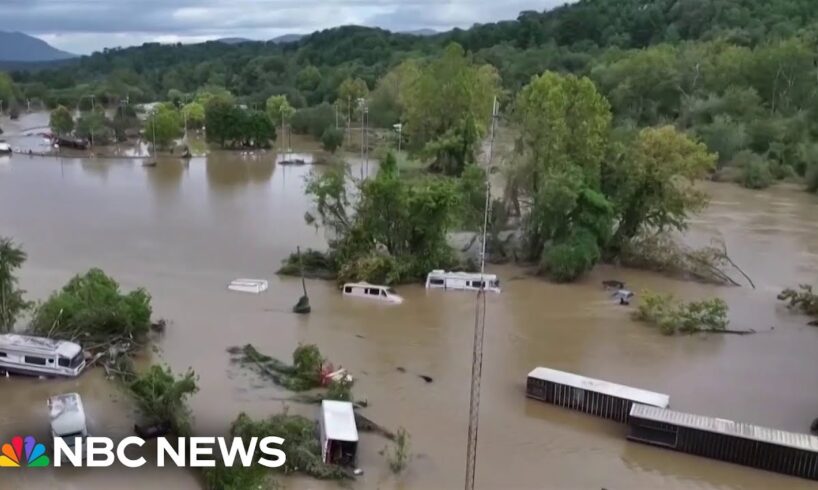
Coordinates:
<point>183,232</point>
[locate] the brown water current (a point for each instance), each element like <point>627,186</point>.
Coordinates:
<point>183,232</point>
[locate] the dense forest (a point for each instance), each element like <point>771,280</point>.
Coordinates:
<point>615,106</point>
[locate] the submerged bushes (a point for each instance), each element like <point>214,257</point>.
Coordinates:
<point>673,317</point>
<point>161,397</point>
<point>301,444</point>
<point>92,310</point>
<point>803,300</point>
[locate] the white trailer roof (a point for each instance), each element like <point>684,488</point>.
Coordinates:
<point>39,345</point>
<point>339,421</point>
<point>604,387</point>
<point>67,414</point>
<point>752,432</point>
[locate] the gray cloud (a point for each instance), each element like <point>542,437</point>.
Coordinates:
<point>83,26</point>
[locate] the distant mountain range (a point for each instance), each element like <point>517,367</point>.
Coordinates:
<point>19,47</point>
<point>286,38</point>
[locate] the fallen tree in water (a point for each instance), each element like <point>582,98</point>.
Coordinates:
<point>301,445</point>
<point>661,253</point>
<point>161,397</point>
<point>672,316</point>
<point>92,311</point>
<point>312,264</point>
<point>305,373</point>
<point>803,300</point>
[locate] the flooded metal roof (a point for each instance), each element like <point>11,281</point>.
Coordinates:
<point>599,386</point>
<point>727,427</point>
<point>339,420</point>
<point>41,345</point>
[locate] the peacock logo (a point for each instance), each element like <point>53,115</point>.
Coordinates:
<point>13,455</point>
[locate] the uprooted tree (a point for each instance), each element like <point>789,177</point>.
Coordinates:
<point>803,299</point>
<point>92,311</point>
<point>161,397</point>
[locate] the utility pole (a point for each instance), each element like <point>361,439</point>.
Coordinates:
<point>361,103</point>
<point>479,328</point>
<point>366,138</point>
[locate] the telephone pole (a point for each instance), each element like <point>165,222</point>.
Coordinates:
<point>479,328</point>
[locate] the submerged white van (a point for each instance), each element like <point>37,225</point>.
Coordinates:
<point>40,356</point>
<point>372,291</point>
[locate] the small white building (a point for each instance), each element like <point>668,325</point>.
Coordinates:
<point>462,281</point>
<point>339,433</point>
<point>67,417</point>
<point>248,285</point>
<point>372,291</point>
<point>40,356</point>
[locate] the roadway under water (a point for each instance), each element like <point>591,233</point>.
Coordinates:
<point>183,232</point>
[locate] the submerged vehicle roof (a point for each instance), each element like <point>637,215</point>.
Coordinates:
<point>67,413</point>
<point>39,345</point>
<point>366,285</point>
<point>339,421</point>
<point>461,274</point>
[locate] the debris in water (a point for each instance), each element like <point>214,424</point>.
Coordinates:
<point>623,296</point>
<point>428,379</point>
<point>613,284</point>
<point>401,369</point>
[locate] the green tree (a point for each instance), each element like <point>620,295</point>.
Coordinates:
<point>161,397</point>
<point>349,92</point>
<point>448,108</point>
<point>652,187</point>
<point>163,125</point>
<point>220,119</point>
<point>332,139</point>
<point>12,303</point>
<point>278,109</point>
<point>308,78</point>
<point>195,114</point>
<point>564,125</point>
<point>61,121</point>
<point>93,126</point>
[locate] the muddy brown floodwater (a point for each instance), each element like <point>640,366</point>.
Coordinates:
<point>185,232</point>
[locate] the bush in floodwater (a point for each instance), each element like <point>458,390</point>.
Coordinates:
<point>756,172</point>
<point>301,443</point>
<point>804,299</point>
<point>674,317</point>
<point>373,268</point>
<point>304,374</point>
<point>340,390</point>
<point>812,178</point>
<point>220,477</point>
<point>316,265</point>
<point>567,261</point>
<point>307,360</point>
<point>92,310</point>
<point>399,455</point>
<point>161,397</point>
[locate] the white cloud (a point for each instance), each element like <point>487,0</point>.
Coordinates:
<point>82,26</point>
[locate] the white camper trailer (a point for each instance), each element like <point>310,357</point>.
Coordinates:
<point>339,434</point>
<point>462,281</point>
<point>40,356</point>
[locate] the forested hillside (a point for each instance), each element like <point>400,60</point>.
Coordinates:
<point>740,75</point>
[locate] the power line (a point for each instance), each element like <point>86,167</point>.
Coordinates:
<point>479,327</point>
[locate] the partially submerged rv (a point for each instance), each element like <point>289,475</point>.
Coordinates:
<point>40,356</point>
<point>339,434</point>
<point>462,281</point>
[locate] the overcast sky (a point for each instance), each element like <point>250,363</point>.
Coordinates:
<point>83,26</point>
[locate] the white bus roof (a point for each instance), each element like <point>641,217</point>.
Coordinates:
<point>604,387</point>
<point>38,345</point>
<point>462,275</point>
<point>339,421</point>
<point>67,414</point>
